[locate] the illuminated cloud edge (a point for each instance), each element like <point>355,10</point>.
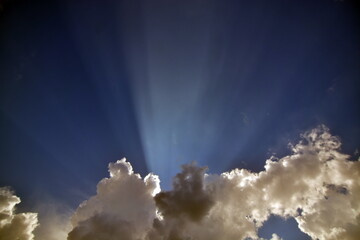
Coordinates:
<point>14,226</point>
<point>316,184</point>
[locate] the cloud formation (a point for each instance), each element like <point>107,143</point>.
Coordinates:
<point>15,226</point>
<point>124,206</point>
<point>317,185</point>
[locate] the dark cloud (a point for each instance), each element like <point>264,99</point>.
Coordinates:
<point>189,198</point>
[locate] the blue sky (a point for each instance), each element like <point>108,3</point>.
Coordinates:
<point>223,83</point>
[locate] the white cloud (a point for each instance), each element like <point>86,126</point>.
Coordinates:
<point>273,237</point>
<point>14,226</point>
<point>316,180</point>
<point>316,185</point>
<point>123,206</point>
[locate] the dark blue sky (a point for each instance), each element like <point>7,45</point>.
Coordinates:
<point>162,83</point>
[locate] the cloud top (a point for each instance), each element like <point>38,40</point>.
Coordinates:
<point>15,226</point>
<point>189,198</point>
<point>123,206</point>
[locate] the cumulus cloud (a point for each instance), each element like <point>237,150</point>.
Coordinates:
<point>316,184</point>
<point>183,207</point>
<point>123,207</point>
<point>15,226</point>
<point>189,199</point>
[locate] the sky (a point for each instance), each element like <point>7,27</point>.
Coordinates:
<point>226,84</point>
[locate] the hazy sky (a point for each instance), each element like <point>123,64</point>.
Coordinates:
<point>227,84</point>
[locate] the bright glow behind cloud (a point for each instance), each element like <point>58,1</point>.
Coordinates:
<point>316,185</point>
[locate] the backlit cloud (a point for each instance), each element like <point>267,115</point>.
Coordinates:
<point>14,226</point>
<point>317,185</point>
<point>124,206</point>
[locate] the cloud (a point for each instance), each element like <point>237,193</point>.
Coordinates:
<point>316,184</point>
<point>54,217</point>
<point>273,237</point>
<point>14,226</point>
<point>189,199</point>
<point>124,206</point>
<point>183,207</point>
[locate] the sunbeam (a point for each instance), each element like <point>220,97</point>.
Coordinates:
<point>223,85</point>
